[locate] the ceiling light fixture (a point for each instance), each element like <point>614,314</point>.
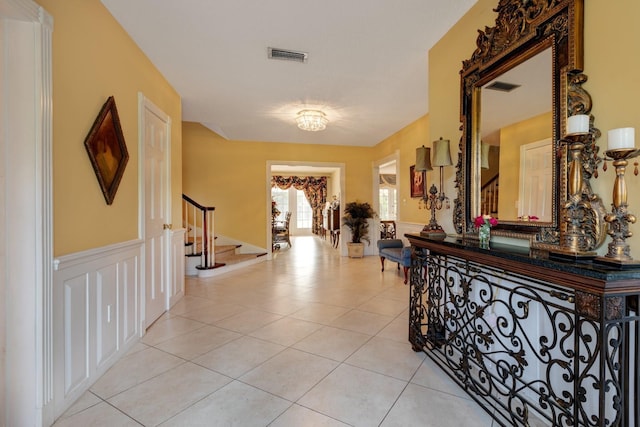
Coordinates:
<point>312,120</point>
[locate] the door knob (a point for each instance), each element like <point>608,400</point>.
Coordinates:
<point>167,226</point>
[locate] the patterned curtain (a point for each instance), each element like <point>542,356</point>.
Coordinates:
<point>314,189</point>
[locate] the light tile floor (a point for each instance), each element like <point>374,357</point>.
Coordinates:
<point>307,339</point>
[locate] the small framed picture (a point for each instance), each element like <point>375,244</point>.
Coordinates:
<point>107,149</point>
<point>417,182</point>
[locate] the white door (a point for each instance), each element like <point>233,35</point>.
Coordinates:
<point>155,139</point>
<point>536,172</point>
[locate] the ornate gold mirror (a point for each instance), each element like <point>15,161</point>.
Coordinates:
<point>517,89</point>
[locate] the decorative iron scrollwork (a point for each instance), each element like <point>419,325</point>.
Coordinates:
<point>528,351</point>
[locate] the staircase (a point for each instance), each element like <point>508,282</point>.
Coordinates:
<point>205,257</point>
<point>489,196</point>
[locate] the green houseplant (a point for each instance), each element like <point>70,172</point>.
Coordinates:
<point>355,218</point>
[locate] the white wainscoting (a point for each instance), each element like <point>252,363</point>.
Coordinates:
<point>96,312</point>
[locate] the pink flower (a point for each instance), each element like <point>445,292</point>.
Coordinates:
<point>485,219</point>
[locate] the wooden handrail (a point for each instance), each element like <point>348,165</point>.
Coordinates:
<point>196,204</point>
<point>490,182</point>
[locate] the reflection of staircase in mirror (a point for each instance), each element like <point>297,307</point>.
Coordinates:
<point>489,197</point>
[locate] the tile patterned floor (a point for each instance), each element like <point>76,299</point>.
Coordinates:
<point>307,339</point>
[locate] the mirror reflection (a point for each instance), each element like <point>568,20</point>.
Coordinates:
<point>516,128</point>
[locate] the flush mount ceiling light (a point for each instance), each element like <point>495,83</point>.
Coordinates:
<point>311,120</point>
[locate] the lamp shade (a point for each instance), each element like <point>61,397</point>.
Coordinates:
<point>441,154</point>
<point>484,155</point>
<point>423,159</point>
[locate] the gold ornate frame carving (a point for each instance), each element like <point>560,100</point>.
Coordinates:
<point>522,30</point>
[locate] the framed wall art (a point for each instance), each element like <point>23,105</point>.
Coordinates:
<point>107,149</point>
<point>417,182</point>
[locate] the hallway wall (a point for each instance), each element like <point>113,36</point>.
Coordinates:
<point>230,175</point>
<point>93,58</point>
<point>406,140</point>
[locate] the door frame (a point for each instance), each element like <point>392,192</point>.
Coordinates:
<point>145,103</point>
<point>394,157</point>
<point>27,215</point>
<point>339,168</point>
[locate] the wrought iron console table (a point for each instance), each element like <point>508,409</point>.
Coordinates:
<point>534,341</point>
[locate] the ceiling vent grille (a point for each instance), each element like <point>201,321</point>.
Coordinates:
<point>502,86</point>
<point>287,55</point>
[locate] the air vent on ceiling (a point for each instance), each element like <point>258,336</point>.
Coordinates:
<point>502,86</point>
<point>287,55</point>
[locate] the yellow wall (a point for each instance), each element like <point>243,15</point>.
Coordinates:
<point>445,63</point>
<point>93,58</point>
<point>231,175</point>
<point>611,63</point>
<point>406,141</point>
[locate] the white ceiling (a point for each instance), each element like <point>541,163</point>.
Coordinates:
<point>367,66</point>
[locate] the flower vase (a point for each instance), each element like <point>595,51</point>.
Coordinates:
<point>484,235</point>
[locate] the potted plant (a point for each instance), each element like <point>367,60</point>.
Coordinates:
<point>356,215</point>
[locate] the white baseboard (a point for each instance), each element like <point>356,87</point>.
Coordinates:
<point>230,267</point>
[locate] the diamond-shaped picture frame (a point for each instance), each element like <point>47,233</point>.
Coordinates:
<point>107,149</point>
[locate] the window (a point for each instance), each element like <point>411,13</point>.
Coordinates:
<point>304,214</point>
<point>295,201</point>
<point>281,197</point>
<point>388,209</point>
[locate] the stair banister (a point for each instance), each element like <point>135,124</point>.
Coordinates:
<point>203,218</point>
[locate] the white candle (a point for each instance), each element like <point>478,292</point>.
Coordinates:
<point>578,124</point>
<point>621,138</point>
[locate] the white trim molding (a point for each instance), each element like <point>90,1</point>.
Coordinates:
<point>26,370</point>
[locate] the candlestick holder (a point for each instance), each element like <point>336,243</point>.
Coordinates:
<point>434,201</point>
<point>579,217</point>
<point>619,219</point>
